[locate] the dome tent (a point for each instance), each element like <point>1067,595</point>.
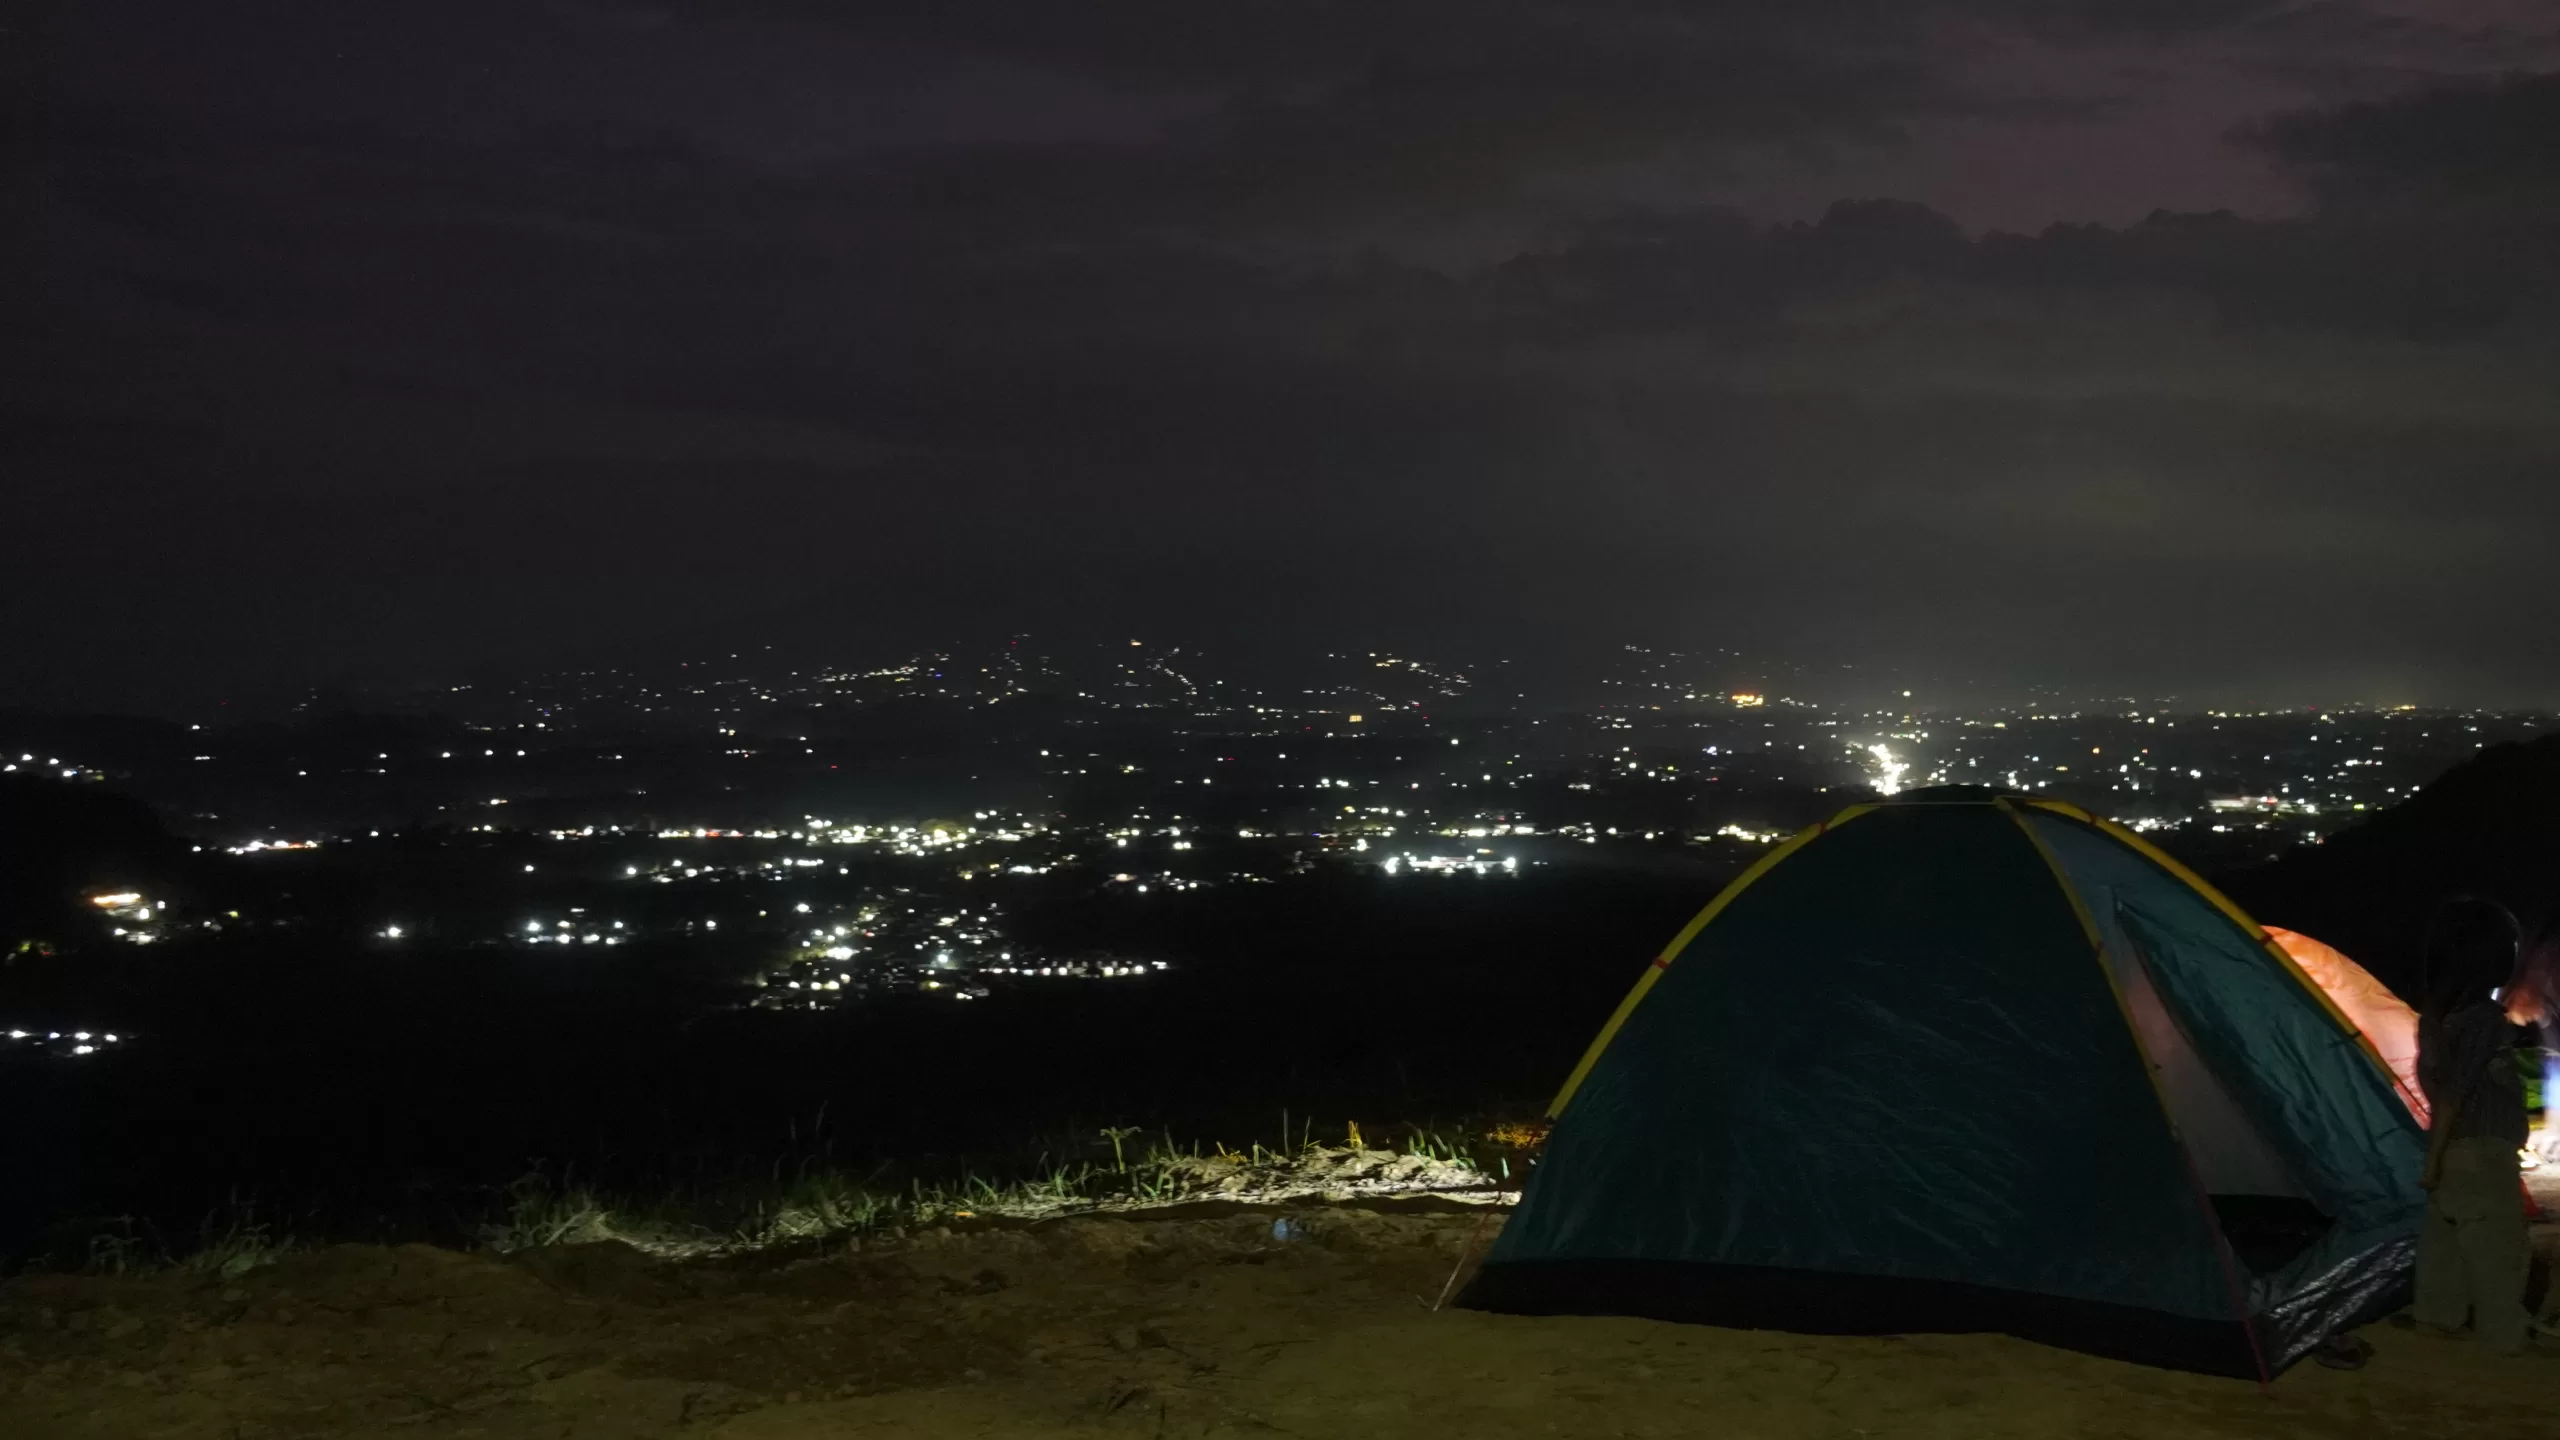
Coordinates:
<point>1964,1061</point>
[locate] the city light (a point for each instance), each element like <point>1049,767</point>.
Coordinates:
<point>1272,785</point>
<point>1888,771</point>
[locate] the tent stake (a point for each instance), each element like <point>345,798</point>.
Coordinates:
<point>1465,1253</point>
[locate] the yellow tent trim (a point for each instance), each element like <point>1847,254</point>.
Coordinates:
<point>1653,970</point>
<point>2236,915</point>
<point>2249,927</point>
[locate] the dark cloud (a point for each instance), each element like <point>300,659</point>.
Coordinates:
<point>378,338</point>
<point>2477,147</point>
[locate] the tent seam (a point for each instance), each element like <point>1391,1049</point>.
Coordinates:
<point>2230,910</point>
<point>2151,1072</point>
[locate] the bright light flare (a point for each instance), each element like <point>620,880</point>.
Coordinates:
<point>1888,770</point>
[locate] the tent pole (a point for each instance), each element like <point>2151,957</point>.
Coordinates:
<point>2230,1265</point>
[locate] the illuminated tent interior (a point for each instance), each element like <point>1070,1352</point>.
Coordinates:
<point>2389,1026</point>
<point>2384,1019</point>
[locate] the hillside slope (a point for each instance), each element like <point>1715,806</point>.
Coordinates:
<point>2488,827</point>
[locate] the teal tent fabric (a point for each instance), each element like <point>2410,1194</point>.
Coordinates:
<point>1894,1084</point>
<point>2301,1080</point>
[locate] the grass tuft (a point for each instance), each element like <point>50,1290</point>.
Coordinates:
<point>539,1212</point>
<point>805,1199</point>
<point>228,1245</point>
<point>242,1246</point>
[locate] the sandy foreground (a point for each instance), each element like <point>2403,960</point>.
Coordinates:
<point>1204,1323</point>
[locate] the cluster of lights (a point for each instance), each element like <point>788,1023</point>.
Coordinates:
<point>1083,971</point>
<point>1451,865</point>
<point>1147,886</point>
<point>1888,771</point>
<point>570,932</point>
<point>79,1042</point>
<point>902,839</point>
<point>132,906</point>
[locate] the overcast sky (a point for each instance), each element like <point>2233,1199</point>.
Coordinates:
<point>2195,345</point>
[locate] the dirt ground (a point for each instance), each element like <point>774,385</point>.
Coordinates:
<point>1209,1323</point>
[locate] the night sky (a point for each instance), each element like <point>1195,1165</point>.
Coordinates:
<point>2196,345</point>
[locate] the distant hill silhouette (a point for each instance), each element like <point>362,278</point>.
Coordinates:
<point>2488,827</point>
<point>59,840</point>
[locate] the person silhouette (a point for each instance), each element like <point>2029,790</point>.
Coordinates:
<point>2473,1252</point>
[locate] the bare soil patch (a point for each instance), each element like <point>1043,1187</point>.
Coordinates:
<point>1228,1321</point>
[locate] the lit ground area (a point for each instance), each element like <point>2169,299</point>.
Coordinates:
<point>1200,1325</point>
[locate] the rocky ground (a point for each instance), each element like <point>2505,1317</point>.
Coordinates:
<point>1214,1319</point>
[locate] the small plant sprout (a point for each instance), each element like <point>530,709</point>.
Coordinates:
<point>1115,1134</point>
